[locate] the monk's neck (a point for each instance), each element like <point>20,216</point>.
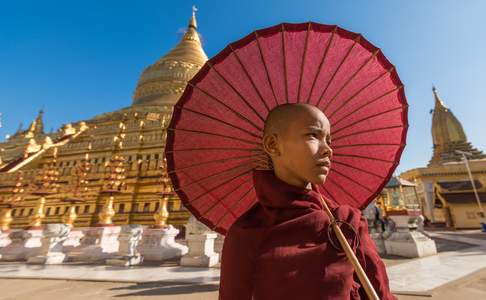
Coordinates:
<point>290,178</point>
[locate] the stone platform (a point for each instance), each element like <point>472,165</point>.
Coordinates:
<point>416,276</point>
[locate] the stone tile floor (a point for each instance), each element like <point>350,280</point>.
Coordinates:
<point>458,272</point>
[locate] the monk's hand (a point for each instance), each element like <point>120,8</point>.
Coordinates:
<point>349,220</point>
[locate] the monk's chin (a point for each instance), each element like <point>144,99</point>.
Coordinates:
<point>319,179</point>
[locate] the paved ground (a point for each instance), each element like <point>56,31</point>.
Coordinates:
<point>470,287</point>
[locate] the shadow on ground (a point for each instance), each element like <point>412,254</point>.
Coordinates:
<point>164,288</point>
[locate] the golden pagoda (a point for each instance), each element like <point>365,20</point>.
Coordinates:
<point>444,187</point>
<point>158,89</point>
<point>163,82</point>
<point>448,135</point>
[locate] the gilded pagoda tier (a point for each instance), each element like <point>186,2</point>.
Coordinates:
<point>137,201</point>
<point>137,159</point>
<point>165,80</point>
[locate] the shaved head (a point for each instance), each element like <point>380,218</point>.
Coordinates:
<point>297,139</point>
<point>279,118</point>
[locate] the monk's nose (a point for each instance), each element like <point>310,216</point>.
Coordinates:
<point>326,150</point>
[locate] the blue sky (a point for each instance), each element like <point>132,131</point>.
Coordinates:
<point>77,59</point>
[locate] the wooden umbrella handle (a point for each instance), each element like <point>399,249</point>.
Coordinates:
<point>363,278</point>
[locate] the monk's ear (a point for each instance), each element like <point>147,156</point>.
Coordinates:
<point>270,145</point>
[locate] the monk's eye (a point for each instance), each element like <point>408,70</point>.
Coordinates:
<point>312,134</point>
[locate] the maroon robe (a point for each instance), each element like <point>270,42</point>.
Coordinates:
<point>280,249</point>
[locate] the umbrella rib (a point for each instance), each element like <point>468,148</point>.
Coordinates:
<point>249,77</point>
<point>219,201</point>
<point>214,134</point>
<point>365,157</point>
<point>265,66</point>
<point>354,181</point>
<point>359,92</point>
<point>321,63</point>
<point>341,188</point>
<point>206,191</point>
<point>367,118</point>
<point>337,70</point>
<point>370,144</point>
<point>233,205</point>
<point>235,90</point>
<point>212,161</point>
<point>285,64</point>
<point>221,121</point>
<point>331,196</point>
<point>353,76</point>
<point>367,103</point>
<point>368,130</point>
<point>304,56</point>
<point>215,175</point>
<point>228,107</point>
<point>214,148</point>
<point>356,168</point>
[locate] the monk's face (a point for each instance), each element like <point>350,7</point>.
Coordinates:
<point>300,149</point>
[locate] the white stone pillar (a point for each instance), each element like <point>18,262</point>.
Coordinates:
<point>158,244</point>
<point>128,255</point>
<point>97,245</point>
<point>201,245</point>
<point>25,243</point>
<point>51,250</point>
<point>405,242</point>
<point>429,200</point>
<point>73,240</point>
<point>4,239</point>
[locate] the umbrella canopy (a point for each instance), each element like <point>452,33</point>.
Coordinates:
<point>214,138</point>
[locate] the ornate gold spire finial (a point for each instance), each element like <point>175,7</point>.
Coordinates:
<point>162,214</point>
<point>37,126</point>
<point>17,196</point>
<point>47,181</point>
<point>46,184</point>
<point>78,186</point>
<point>115,179</point>
<point>192,22</point>
<point>438,100</point>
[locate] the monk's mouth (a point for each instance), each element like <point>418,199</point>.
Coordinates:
<point>324,164</point>
<point>324,167</point>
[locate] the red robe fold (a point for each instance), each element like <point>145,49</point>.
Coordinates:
<point>280,249</point>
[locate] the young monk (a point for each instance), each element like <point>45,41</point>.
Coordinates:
<point>281,248</point>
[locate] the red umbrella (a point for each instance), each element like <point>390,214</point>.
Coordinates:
<point>214,138</point>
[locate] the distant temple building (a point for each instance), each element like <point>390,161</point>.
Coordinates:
<point>139,130</point>
<point>398,194</point>
<point>444,187</point>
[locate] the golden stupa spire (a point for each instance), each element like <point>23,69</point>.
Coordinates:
<point>164,81</point>
<point>446,128</point>
<point>438,100</point>
<point>37,126</point>
<point>448,134</point>
<point>192,22</point>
